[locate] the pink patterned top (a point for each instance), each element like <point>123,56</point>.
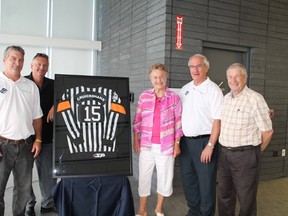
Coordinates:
<point>170,120</point>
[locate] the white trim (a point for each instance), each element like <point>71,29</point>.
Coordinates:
<point>50,42</point>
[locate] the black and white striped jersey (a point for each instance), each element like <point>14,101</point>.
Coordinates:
<point>91,116</point>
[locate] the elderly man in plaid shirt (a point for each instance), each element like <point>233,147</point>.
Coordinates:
<point>246,130</point>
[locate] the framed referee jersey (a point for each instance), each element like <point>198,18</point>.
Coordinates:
<point>92,130</point>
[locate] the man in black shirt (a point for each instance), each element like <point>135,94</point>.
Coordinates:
<point>39,67</point>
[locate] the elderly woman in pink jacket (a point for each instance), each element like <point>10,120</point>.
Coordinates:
<point>157,132</point>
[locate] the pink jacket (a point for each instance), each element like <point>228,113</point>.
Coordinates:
<point>170,127</point>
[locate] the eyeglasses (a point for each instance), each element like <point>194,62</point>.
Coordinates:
<point>198,67</point>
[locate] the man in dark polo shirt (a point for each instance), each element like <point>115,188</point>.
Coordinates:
<point>39,67</point>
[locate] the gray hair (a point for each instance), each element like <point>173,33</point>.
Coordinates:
<point>241,68</point>
<point>13,48</point>
<point>158,66</point>
<point>205,60</point>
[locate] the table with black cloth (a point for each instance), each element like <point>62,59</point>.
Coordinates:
<point>94,196</point>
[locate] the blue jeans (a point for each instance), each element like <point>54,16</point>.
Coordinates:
<point>199,179</point>
<point>18,159</point>
<point>46,182</point>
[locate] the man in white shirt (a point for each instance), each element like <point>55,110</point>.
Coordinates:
<point>201,102</point>
<point>20,122</point>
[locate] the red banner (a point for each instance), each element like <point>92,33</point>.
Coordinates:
<point>179,32</point>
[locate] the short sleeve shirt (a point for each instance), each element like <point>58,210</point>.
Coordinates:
<point>20,105</point>
<point>243,119</point>
<point>201,106</point>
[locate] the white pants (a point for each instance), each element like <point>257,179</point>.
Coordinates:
<point>164,167</point>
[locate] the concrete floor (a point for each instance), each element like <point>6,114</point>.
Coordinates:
<point>272,199</point>
<point>9,194</point>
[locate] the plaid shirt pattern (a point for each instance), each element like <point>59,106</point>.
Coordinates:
<point>243,118</point>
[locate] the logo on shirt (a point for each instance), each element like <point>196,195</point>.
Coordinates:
<point>99,155</point>
<point>3,90</point>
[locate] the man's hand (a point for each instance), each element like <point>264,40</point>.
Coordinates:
<point>36,148</point>
<point>271,113</point>
<point>207,154</point>
<point>50,116</point>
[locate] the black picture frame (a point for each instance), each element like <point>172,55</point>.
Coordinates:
<point>92,130</point>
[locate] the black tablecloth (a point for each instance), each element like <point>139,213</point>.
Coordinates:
<point>94,196</point>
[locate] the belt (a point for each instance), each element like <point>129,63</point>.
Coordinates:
<point>200,136</point>
<point>12,141</point>
<point>240,148</point>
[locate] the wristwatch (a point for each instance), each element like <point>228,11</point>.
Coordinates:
<point>210,145</point>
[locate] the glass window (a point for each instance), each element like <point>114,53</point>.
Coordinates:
<point>73,19</point>
<point>62,29</point>
<point>67,61</point>
<point>24,17</point>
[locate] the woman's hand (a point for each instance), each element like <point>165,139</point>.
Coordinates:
<point>177,150</point>
<point>136,146</point>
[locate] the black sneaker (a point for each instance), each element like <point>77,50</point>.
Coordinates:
<point>30,212</point>
<point>47,210</point>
